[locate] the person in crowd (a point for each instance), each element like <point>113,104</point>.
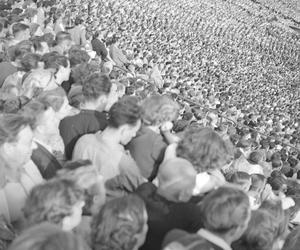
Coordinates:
<point>78,32</point>
<point>46,128</point>
<point>120,224</point>
<point>168,204</point>
<point>241,179</point>
<point>96,90</point>
<point>18,175</point>
<point>20,32</point>
<point>57,201</point>
<point>116,53</point>
<point>63,42</point>
<point>148,147</point>
<point>106,148</point>
<point>226,214</point>
<point>99,46</point>
<point>47,236</point>
<point>208,153</point>
<point>261,232</point>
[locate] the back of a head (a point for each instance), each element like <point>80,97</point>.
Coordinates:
<point>159,109</point>
<point>204,148</point>
<point>118,223</point>
<point>258,182</point>
<point>177,177</point>
<point>225,209</point>
<point>52,201</point>
<point>125,111</point>
<point>96,85</point>
<point>260,234</point>
<point>46,236</point>
<point>255,157</point>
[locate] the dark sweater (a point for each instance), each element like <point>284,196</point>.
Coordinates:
<point>164,215</point>
<point>73,127</point>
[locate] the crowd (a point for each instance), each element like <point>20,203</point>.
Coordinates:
<point>149,125</point>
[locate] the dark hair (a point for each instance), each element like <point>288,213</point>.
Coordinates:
<point>55,61</point>
<point>17,27</point>
<point>11,125</point>
<point>78,20</point>
<point>125,111</point>
<point>257,182</point>
<point>118,221</point>
<point>30,61</point>
<point>224,209</point>
<point>52,201</point>
<point>81,71</point>
<point>47,236</point>
<point>95,86</point>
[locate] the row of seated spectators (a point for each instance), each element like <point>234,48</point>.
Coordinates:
<point>97,152</point>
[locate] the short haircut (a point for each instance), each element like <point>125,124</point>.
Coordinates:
<point>18,27</point>
<point>62,36</point>
<point>204,148</point>
<point>118,221</point>
<point>292,242</point>
<point>224,209</point>
<point>55,61</point>
<point>255,157</point>
<point>47,236</point>
<point>159,109</point>
<point>52,201</point>
<point>96,85</point>
<point>11,125</point>
<point>277,182</point>
<point>125,111</point>
<point>30,61</point>
<point>260,234</point>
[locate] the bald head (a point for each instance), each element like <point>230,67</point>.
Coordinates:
<point>177,179</point>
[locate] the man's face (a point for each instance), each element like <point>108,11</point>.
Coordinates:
<point>20,151</point>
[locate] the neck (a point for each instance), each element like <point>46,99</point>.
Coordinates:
<point>90,106</point>
<point>111,135</point>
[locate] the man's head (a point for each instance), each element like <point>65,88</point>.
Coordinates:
<point>125,116</point>
<point>226,212</point>
<point>177,179</point>
<point>96,89</point>
<point>21,31</point>
<point>15,140</point>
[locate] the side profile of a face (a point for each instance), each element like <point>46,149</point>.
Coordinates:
<point>128,132</point>
<point>18,152</point>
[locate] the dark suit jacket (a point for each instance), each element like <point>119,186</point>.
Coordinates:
<point>45,161</point>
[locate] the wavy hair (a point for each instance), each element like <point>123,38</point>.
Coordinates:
<point>159,109</point>
<point>204,148</point>
<point>117,223</point>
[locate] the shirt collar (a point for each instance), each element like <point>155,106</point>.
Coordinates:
<point>214,239</point>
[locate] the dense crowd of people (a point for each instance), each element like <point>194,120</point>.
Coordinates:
<point>149,125</point>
